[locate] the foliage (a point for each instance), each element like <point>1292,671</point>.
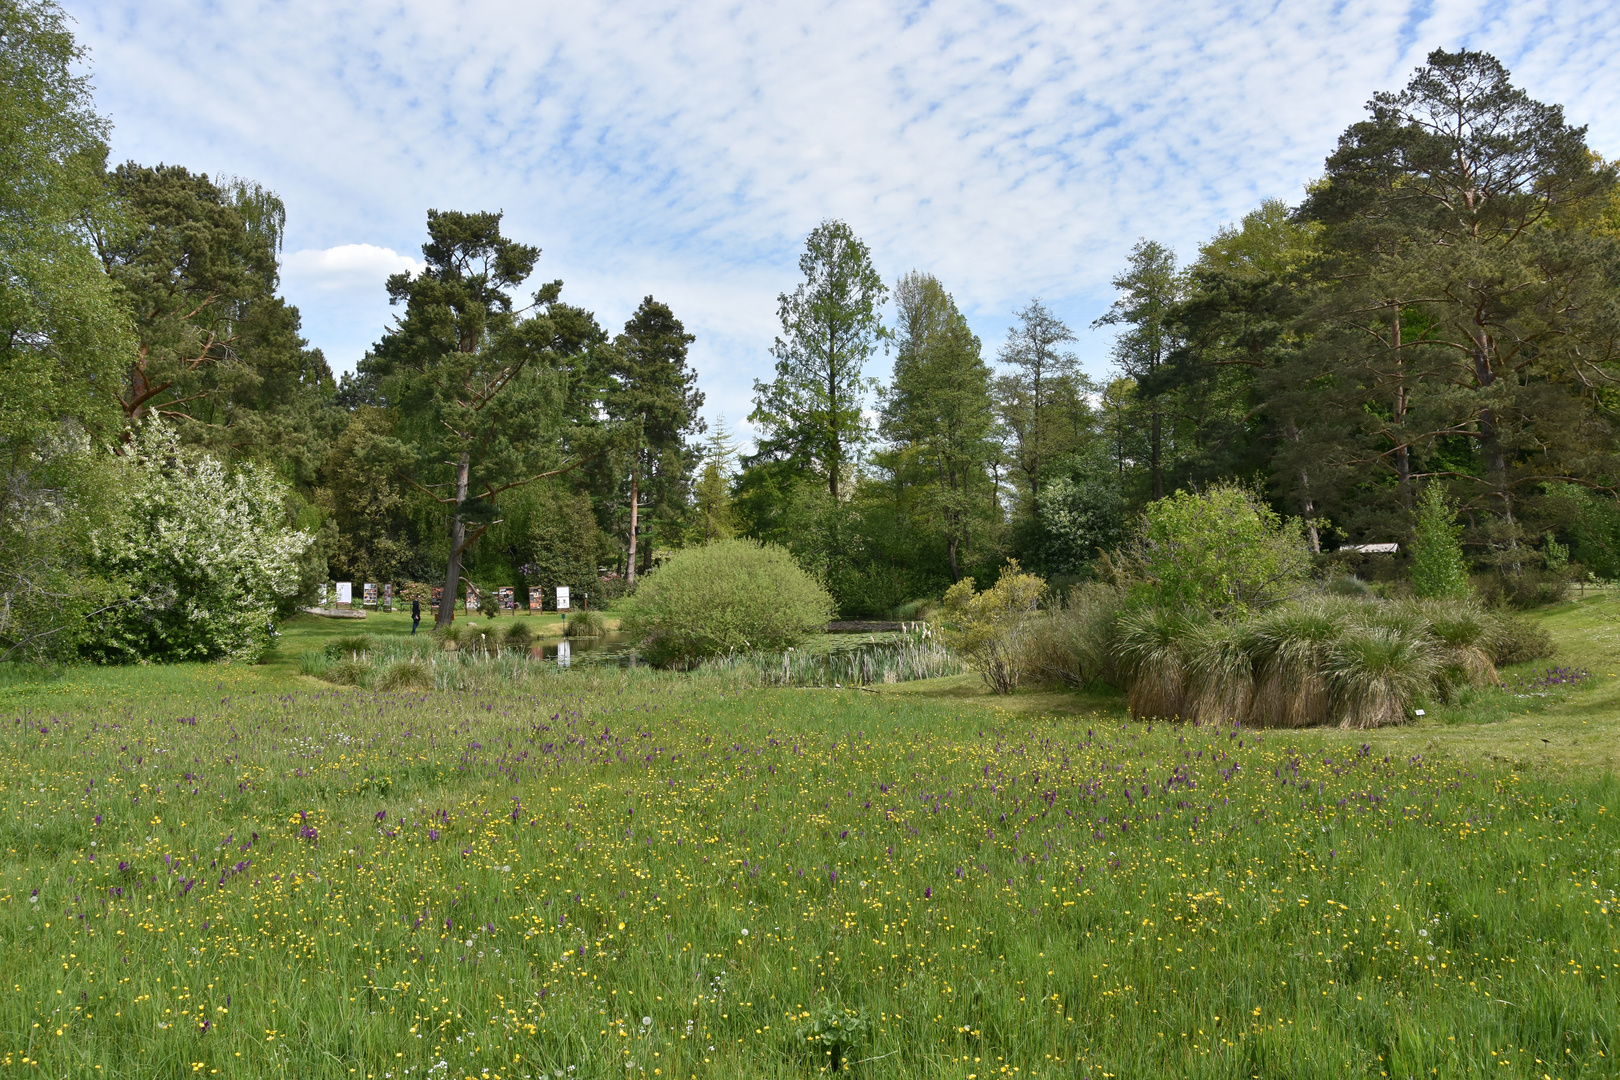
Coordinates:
<point>63,336</point>
<point>725,596</point>
<point>811,413</point>
<point>937,415</point>
<point>1076,642</point>
<point>1438,567</point>
<point>473,378</point>
<point>1041,401</point>
<point>834,1036</point>
<point>1221,551</point>
<point>204,553</point>
<point>1149,289</point>
<point>1513,639</point>
<point>1079,517</point>
<point>54,492</point>
<point>652,394</point>
<point>992,629</point>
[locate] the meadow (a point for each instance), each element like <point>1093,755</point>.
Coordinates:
<point>238,871</point>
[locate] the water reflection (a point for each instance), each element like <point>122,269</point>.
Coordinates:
<point>566,651</point>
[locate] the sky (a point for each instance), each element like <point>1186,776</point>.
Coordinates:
<point>685,150</point>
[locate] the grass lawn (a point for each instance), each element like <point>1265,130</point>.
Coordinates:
<point>236,870</point>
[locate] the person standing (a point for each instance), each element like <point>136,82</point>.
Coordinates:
<point>416,614</point>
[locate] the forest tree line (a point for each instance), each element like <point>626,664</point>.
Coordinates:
<point>1439,310</point>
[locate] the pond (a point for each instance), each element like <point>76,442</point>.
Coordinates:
<point>567,650</point>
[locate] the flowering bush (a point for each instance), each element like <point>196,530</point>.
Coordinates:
<point>204,553</point>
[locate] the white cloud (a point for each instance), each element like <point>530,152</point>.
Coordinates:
<point>346,268</point>
<point>684,150</point>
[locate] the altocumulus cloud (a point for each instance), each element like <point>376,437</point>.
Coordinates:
<point>684,150</point>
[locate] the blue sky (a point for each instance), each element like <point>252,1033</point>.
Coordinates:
<point>684,150</point>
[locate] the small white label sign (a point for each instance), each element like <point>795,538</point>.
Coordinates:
<point>562,598</point>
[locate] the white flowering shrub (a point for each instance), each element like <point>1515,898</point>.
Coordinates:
<point>205,555</point>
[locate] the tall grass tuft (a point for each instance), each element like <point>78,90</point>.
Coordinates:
<point>1376,676</point>
<point>1150,659</point>
<point>1461,633</point>
<point>412,673</point>
<point>1075,641</point>
<point>585,624</point>
<point>350,645</point>
<point>1218,673</point>
<point>1289,647</point>
<point>518,636</point>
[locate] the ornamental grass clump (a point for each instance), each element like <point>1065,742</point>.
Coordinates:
<point>1289,648</point>
<point>582,624</point>
<point>517,636</point>
<point>1218,673</point>
<point>351,646</point>
<point>1376,675</point>
<point>1151,661</point>
<point>1462,636</point>
<point>413,674</point>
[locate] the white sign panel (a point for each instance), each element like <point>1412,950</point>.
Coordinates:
<point>562,598</point>
<point>345,592</point>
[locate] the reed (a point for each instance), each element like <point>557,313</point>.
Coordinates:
<point>1218,673</point>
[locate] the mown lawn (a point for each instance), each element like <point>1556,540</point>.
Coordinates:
<point>232,870</point>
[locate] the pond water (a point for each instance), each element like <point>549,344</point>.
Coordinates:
<point>567,650</point>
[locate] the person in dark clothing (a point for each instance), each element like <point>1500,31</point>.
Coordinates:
<point>416,614</point>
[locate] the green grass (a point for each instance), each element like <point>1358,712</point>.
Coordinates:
<point>563,873</point>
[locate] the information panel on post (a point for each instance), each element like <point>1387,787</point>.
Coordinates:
<point>562,598</point>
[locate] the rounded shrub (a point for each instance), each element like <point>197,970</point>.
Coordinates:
<point>726,596</point>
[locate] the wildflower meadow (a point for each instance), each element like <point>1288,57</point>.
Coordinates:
<point>625,874</point>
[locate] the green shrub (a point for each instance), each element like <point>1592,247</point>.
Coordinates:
<point>1221,551</point>
<point>1513,639</point>
<point>1346,585</point>
<point>313,662</point>
<point>994,629</point>
<point>585,624</point>
<point>406,675</point>
<point>725,596</point>
<point>455,636</point>
<point>350,645</point>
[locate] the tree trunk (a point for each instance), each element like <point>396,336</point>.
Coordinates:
<point>1403,457</point>
<point>458,543</point>
<point>635,505</point>
<point>1158,472</point>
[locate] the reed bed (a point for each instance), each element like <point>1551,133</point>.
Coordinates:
<point>916,653</point>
